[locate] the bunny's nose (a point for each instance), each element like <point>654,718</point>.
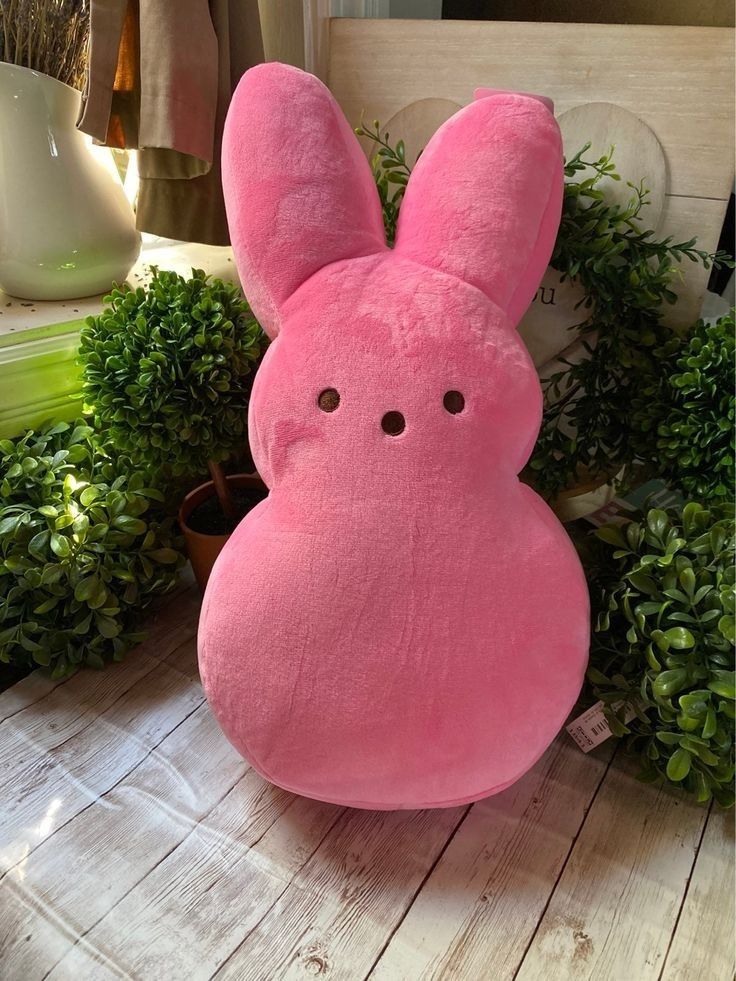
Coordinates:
<point>393,423</point>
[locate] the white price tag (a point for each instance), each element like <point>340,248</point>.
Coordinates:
<point>591,728</point>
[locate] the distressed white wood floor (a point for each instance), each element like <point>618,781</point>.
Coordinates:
<point>135,843</point>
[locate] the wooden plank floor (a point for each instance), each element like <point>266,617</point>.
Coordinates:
<point>136,843</point>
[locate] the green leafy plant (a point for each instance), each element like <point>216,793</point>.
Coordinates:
<point>166,373</point>
<point>84,546</point>
<point>686,415</point>
<point>663,644</point>
<point>627,275</point>
<point>390,172</point>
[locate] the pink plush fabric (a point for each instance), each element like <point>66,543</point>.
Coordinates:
<point>401,623</point>
<point>482,93</point>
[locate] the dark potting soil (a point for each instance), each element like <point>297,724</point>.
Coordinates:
<point>208,519</point>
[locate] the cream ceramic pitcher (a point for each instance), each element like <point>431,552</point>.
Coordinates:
<point>66,228</point>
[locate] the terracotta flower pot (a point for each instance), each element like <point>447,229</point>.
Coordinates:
<point>203,549</point>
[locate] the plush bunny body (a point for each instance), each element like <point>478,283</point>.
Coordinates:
<point>401,623</point>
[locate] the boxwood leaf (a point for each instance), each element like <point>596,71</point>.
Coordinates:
<point>611,534</point>
<point>680,638</point>
<point>86,588</point>
<point>722,683</point>
<point>669,682</point>
<point>167,556</point>
<point>132,526</point>
<point>678,765</point>
<point>60,545</point>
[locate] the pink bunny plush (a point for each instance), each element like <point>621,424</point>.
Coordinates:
<point>401,623</point>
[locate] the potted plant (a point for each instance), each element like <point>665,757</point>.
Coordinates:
<point>662,646</point>
<point>167,371</point>
<point>66,227</point>
<point>85,545</point>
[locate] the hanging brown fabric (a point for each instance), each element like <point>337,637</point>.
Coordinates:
<point>160,79</point>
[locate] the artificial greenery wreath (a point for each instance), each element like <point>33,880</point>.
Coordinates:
<point>627,276</point>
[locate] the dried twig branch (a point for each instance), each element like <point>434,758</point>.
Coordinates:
<point>49,36</point>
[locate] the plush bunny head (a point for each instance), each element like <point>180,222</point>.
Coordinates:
<point>402,622</point>
<point>401,362</point>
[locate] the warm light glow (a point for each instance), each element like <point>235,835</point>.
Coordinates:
<point>130,184</point>
<point>104,157</point>
<point>14,859</point>
<point>48,819</point>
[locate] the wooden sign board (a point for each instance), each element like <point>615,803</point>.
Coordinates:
<point>676,80</point>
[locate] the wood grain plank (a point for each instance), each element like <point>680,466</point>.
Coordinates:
<point>184,919</point>
<point>678,80</point>
<point>67,754</point>
<point>614,909</point>
<point>703,943</point>
<point>339,910</point>
<point>118,840</point>
<point>27,691</point>
<point>482,902</point>
<point>219,894</point>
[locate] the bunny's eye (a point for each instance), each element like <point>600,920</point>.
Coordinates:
<point>328,400</point>
<point>454,402</point>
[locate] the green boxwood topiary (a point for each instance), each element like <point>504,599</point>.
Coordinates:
<point>663,644</point>
<point>166,371</point>
<point>84,546</point>
<point>686,415</point>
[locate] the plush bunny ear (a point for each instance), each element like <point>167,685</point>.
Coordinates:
<point>484,200</point>
<point>482,93</point>
<point>298,189</point>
